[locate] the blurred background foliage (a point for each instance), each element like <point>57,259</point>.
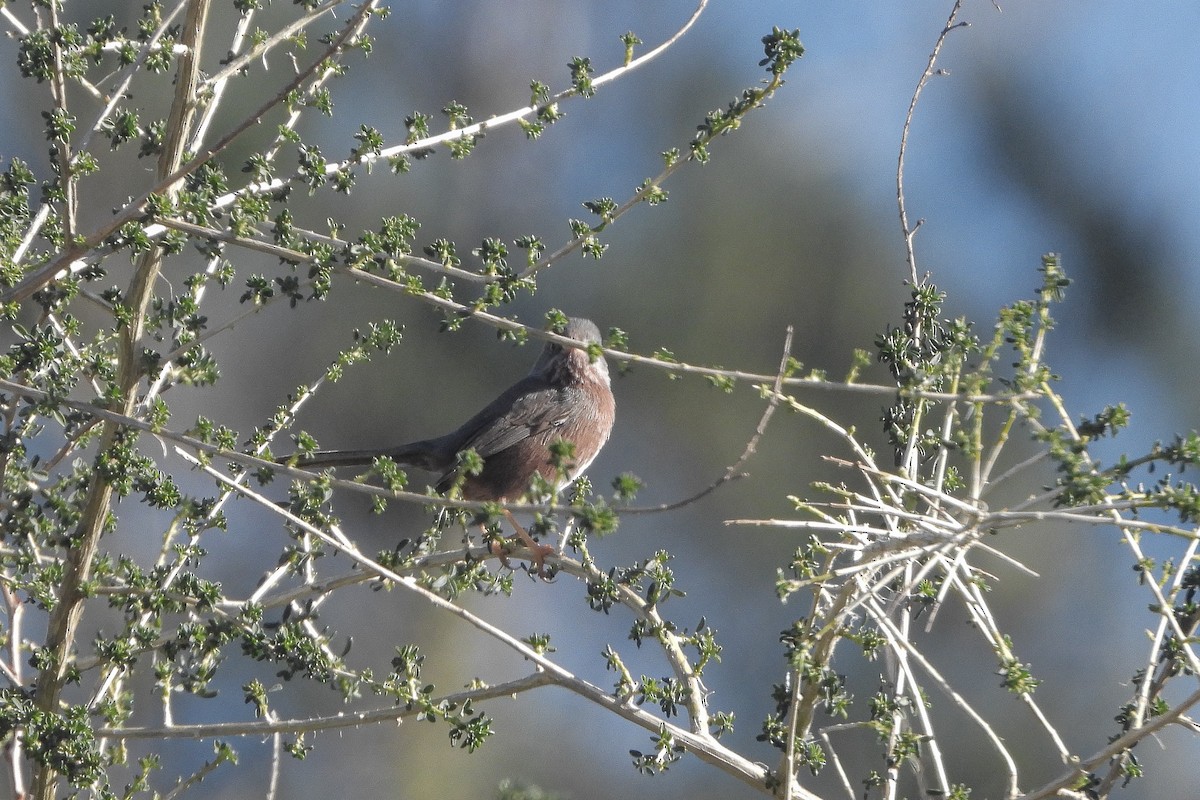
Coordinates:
<point>1065,127</point>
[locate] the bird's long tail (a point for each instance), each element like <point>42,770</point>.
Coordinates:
<point>423,455</point>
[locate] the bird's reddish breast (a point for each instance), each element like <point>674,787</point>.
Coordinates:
<point>587,410</point>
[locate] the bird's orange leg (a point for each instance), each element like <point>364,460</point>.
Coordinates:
<point>539,551</point>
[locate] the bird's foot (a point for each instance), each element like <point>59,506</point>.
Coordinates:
<point>537,562</point>
<point>538,551</point>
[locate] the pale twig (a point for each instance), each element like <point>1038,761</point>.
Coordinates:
<point>1158,668</point>
<point>934,530</point>
<point>977,603</point>
<point>339,721</point>
<point>115,97</point>
<point>934,496</point>
<point>734,472</point>
<point>943,456</point>
<point>62,144</point>
<point>201,127</point>
<point>467,131</point>
<point>577,242</point>
<point>675,367</point>
<point>521,113</point>
<point>1008,519</point>
<point>991,484</point>
<point>1081,767</point>
<point>1167,616</point>
<point>65,617</point>
<point>239,63</point>
<point>194,779</point>
<point>16,23</point>
<point>13,668</point>
<point>166,363</point>
<point>827,611</point>
<point>295,256</point>
<point>896,659</point>
<point>120,43</point>
<point>843,778</point>
<point>845,435</point>
<point>293,117</point>
<point>930,72</point>
<point>462,309</point>
<point>276,766</point>
<point>130,70</point>
<point>984,622</point>
<point>944,685</point>
<point>789,755</point>
<point>15,610</point>
<point>217,88</point>
<point>699,743</point>
<point>670,641</point>
<point>206,116</point>
<point>250,461</point>
<point>70,259</point>
<point>73,349</point>
<point>214,511</point>
<point>901,646</point>
<point>1143,695</point>
<point>944,535</point>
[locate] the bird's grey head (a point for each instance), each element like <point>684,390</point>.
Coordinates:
<point>581,330</point>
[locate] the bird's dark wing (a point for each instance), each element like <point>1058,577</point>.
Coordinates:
<point>528,408</point>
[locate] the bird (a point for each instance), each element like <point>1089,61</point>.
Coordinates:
<point>567,396</point>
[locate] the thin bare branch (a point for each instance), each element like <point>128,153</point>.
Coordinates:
<point>931,70</point>
<point>70,260</point>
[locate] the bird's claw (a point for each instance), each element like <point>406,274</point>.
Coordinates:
<point>538,553</point>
